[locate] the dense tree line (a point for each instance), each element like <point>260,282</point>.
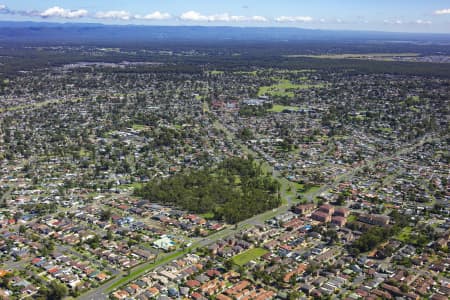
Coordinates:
<point>234,190</point>
<point>376,235</point>
<point>223,56</point>
<point>252,111</point>
<point>371,238</point>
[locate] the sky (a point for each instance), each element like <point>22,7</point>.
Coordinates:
<point>431,16</point>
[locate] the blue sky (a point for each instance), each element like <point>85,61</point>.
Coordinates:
<point>384,15</point>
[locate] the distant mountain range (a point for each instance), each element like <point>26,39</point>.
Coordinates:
<point>37,32</point>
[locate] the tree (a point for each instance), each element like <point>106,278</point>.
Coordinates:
<point>371,238</point>
<point>332,235</point>
<point>105,215</point>
<point>228,264</point>
<point>109,235</point>
<point>94,242</point>
<point>75,292</point>
<point>197,231</point>
<point>234,190</point>
<point>340,200</point>
<point>44,251</point>
<point>51,245</point>
<point>245,134</point>
<point>4,281</point>
<point>56,291</point>
<point>18,215</point>
<point>22,229</point>
<point>312,268</point>
<point>404,288</point>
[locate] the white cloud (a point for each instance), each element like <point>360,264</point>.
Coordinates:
<point>193,16</point>
<point>258,19</point>
<point>423,22</point>
<point>393,22</point>
<point>114,14</point>
<point>294,19</point>
<point>157,15</point>
<point>2,6</point>
<point>57,11</point>
<point>442,12</point>
<point>197,17</point>
<point>228,18</point>
<point>401,22</point>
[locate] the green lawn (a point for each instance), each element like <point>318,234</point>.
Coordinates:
<point>136,185</point>
<point>208,216</point>
<point>83,152</point>
<point>252,254</point>
<point>306,189</point>
<point>279,108</point>
<point>404,235</point>
<point>216,72</point>
<point>251,73</point>
<point>284,88</point>
<point>139,127</point>
<point>313,189</point>
<point>385,130</point>
<point>298,186</point>
<point>296,71</point>
<point>205,107</point>
<point>360,118</point>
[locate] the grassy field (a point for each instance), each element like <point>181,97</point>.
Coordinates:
<point>252,73</point>
<point>306,189</point>
<point>208,216</point>
<point>279,108</point>
<point>313,189</point>
<point>205,107</point>
<point>296,71</point>
<point>284,88</point>
<point>252,254</point>
<point>134,185</point>
<point>139,127</point>
<point>404,235</point>
<point>298,186</point>
<point>385,130</point>
<point>216,72</point>
<point>83,152</point>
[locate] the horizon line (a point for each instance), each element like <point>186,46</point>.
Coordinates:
<point>221,26</point>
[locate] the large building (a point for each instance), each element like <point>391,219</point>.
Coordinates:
<point>321,216</point>
<point>304,209</point>
<point>379,220</point>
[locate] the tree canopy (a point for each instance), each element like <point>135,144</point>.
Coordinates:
<point>234,190</point>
